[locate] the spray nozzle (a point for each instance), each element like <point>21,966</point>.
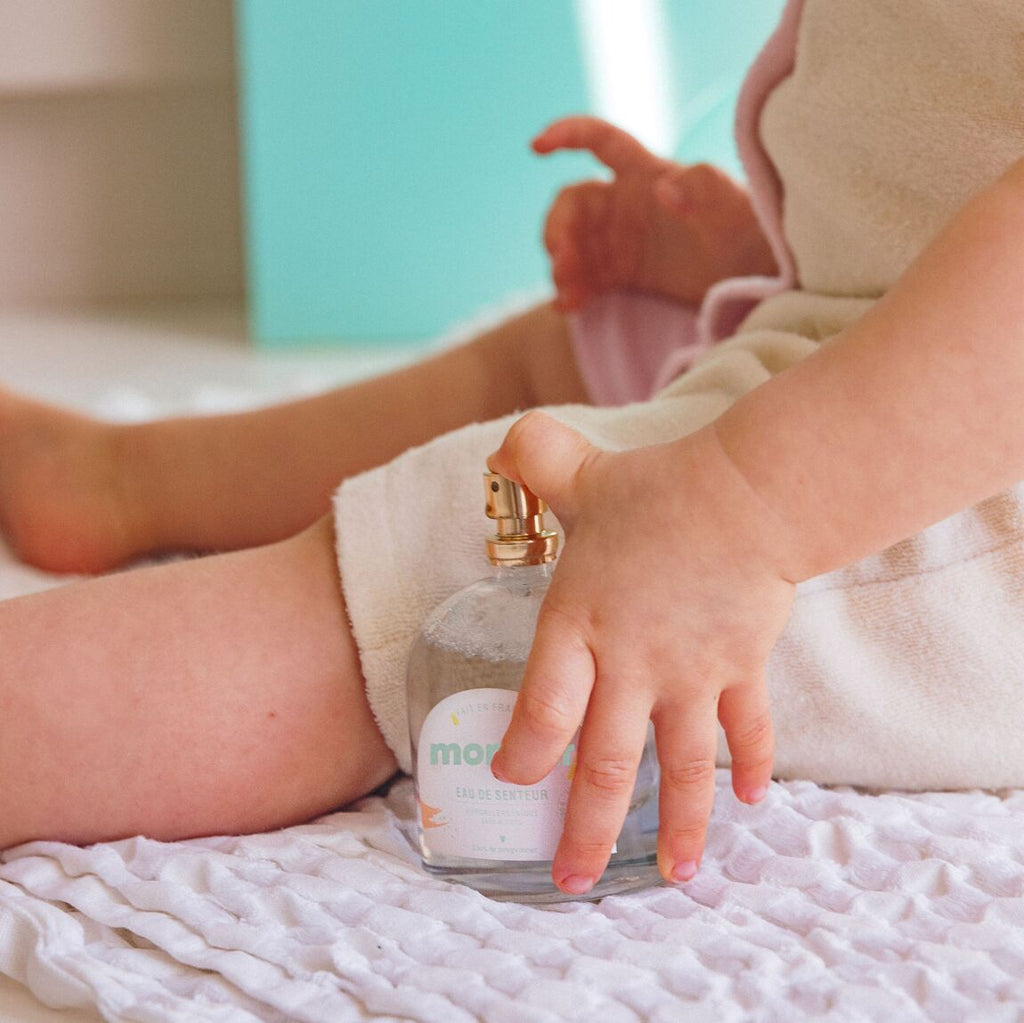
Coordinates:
<point>521,538</point>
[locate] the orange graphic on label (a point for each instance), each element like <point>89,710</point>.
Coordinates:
<point>427,815</point>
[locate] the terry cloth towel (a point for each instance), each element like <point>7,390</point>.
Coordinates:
<point>904,669</point>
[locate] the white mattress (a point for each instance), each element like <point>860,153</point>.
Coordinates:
<point>818,903</point>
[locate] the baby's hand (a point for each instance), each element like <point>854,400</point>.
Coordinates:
<point>657,226</point>
<point>664,607</point>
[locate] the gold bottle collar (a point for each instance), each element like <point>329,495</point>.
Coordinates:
<point>521,538</point>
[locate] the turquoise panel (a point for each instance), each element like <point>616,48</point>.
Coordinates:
<point>390,188</point>
<point>712,45</point>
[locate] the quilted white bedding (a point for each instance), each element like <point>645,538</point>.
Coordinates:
<point>817,904</point>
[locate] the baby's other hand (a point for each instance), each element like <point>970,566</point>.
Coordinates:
<point>657,226</point>
<point>664,607</point>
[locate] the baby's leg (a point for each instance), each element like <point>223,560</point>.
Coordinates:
<point>77,495</point>
<point>220,694</point>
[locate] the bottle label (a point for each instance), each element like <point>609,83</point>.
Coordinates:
<point>464,810</point>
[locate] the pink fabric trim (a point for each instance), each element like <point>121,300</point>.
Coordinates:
<point>623,339</point>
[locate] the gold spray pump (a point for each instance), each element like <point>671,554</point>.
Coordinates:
<point>521,538</point>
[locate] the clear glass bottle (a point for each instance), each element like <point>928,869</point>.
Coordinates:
<point>464,672</point>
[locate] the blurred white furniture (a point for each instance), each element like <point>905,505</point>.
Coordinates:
<point>118,151</point>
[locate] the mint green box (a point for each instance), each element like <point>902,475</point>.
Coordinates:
<point>390,190</point>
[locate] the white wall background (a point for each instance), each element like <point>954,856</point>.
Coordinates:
<point>118,151</point>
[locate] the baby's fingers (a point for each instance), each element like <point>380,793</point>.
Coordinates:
<point>572,235</point>
<point>687,189</point>
<point>610,749</point>
<point>551,702</point>
<point>747,721</point>
<point>686,740</point>
<point>615,148</point>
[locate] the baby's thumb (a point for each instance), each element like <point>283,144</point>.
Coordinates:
<point>545,456</point>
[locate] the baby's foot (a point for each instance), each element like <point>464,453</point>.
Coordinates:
<point>62,502</point>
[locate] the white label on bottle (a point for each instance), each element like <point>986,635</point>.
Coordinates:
<point>464,809</point>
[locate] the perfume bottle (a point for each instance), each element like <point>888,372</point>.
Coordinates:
<point>465,670</point>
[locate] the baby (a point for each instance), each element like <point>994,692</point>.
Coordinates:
<point>874,393</point>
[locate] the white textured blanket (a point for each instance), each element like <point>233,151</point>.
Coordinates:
<point>816,904</point>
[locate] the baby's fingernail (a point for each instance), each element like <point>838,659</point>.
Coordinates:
<point>755,795</point>
<point>683,872</point>
<point>574,884</point>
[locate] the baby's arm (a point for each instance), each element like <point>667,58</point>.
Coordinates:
<point>908,416</point>
<point>657,226</point>
<point>913,413</point>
